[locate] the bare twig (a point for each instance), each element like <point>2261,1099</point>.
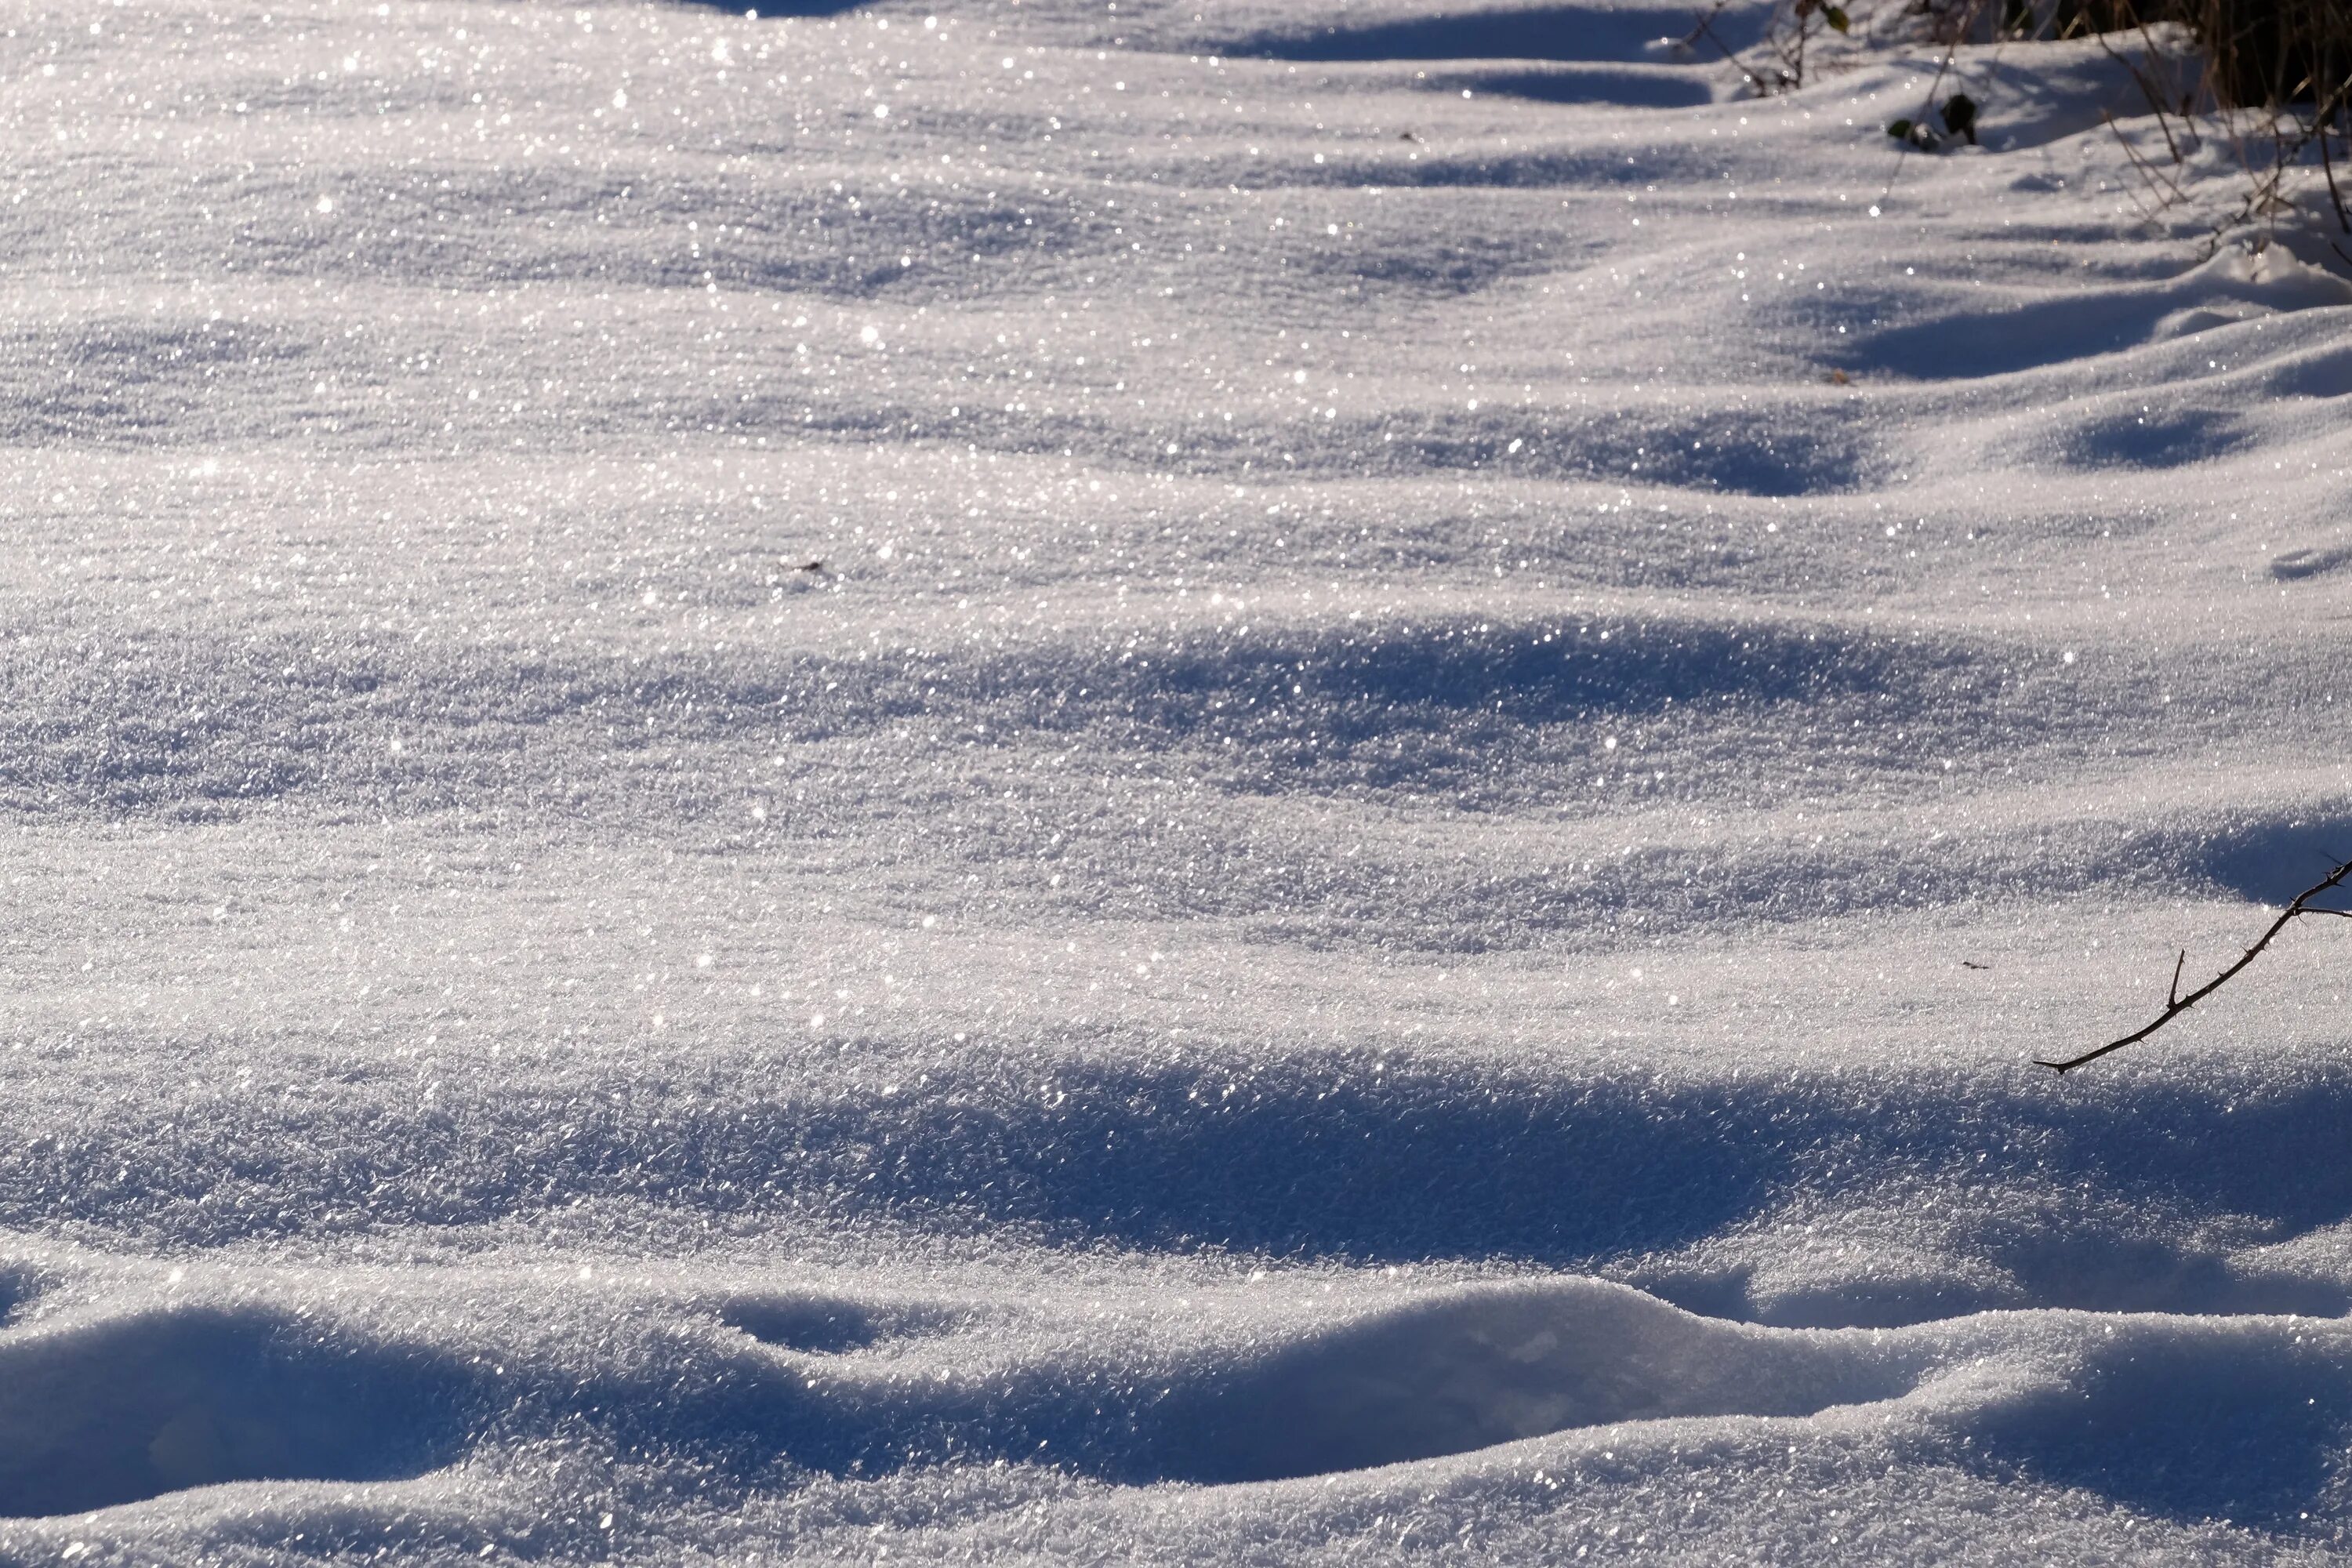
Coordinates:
<point>2265,190</point>
<point>2343,218</point>
<point>1704,28</point>
<point>2156,99</point>
<point>2176,1004</point>
<point>2147,88</point>
<point>2156,181</point>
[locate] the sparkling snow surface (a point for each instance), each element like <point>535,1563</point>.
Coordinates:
<point>1201,782</point>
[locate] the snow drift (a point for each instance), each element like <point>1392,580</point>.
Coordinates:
<point>1187,783</point>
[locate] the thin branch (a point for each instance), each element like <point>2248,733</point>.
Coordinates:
<point>2157,180</point>
<point>2155,98</point>
<point>2343,218</point>
<point>2263,193</point>
<point>2177,1004</point>
<point>2147,88</point>
<point>2147,171</point>
<point>1704,28</point>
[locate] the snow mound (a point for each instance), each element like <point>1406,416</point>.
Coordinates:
<point>1493,1365</point>
<point>97,1414</point>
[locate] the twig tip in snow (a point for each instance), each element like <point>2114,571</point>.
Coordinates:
<point>2176,1004</point>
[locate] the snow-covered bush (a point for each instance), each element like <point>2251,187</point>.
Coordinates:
<point>2276,76</point>
<point>2260,54</point>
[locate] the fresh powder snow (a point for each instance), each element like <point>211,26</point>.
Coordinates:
<point>1186,781</point>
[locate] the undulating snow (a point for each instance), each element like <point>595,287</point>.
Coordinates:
<point>1198,781</point>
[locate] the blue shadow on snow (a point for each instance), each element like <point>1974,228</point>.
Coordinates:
<point>1562,33</point>
<point>2190,1426</point>
<point>1623,88</point>
<point>126,1409</point>
<point>765,10</point>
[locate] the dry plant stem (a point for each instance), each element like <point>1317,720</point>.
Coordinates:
<point>1704,28</point>
<point>2151,54</point>
<point>2336,196</point>
<point>2166,189</point>
<point>2265,193</point>
<point>2157,185</point>
<point>2176,1004</point>
<point>2147,87</point>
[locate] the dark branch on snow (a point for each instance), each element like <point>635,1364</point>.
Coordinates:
<point>2176,1004</point>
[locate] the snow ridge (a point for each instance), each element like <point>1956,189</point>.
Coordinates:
<point>1196,783</point>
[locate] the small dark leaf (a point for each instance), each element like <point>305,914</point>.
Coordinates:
<point>1960,115</point>
<point>1900,130</point>
<point>1836,18</point>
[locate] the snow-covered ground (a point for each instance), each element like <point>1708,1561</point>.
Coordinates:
<point>1188,780</point>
